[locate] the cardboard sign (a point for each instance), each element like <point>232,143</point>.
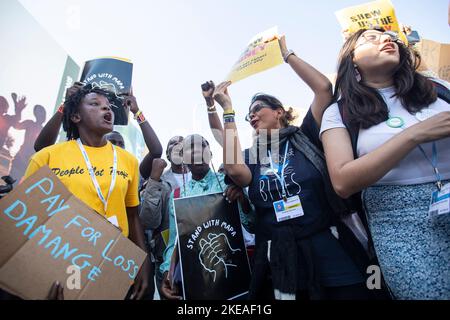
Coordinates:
<point>435,57</point>
<point>211,246</point>
<point>49,235</point>
<point>114,75</point>
<point>263,52</point>
<point>378,13</point>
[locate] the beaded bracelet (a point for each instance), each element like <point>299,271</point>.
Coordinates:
<point>139,116</point>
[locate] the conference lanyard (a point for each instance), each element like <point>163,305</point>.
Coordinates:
<point>280,174</point>
<point>397,122</point>
<point>92,174</point>
<point>433,161</point>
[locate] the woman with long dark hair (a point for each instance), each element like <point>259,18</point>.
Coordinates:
<point>298,252</point>
<point>388,135</point>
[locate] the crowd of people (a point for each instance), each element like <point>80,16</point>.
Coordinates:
<point>373,149</point>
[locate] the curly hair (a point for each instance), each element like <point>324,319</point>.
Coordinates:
<point>72,105</point>
<point>288,115</point>
<point>363,106</point>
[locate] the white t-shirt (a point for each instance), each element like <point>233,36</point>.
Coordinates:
<point>414,168</point>
<point>176,179</point>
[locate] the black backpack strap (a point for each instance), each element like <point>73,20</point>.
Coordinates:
<point>442,91</point>
<point>352,130</point>
<point>355,201</point>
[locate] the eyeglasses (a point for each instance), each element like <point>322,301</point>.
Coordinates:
<point>374,37</point>
<point>256,108</point>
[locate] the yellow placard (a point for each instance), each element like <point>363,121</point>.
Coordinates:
<point>373,14</point>
<point>263,52</point>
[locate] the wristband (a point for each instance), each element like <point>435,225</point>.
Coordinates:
<point>61,108</point>
<point>286,56</point>
<point>139,116</point>
<point>231,112</point>
<point>228,117</point>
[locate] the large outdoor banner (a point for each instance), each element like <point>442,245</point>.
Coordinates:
<point>213,257</point>
<point>114,75</point>
<point>33,69</point>
<point>262,52</point>
<point>379,13</point>
<point>48,235</point>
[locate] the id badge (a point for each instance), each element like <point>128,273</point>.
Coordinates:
<point>114,221</point>
<point>289,209</point>
<point>440,202</point>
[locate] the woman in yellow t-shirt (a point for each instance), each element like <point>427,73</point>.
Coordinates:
<point>98,173</point>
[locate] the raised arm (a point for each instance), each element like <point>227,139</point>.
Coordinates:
<point>214,121</point>
<point>318,83</point>
<point>23,125</point>
<point>49,133</point>
<point>151,139</point>
<point>233,162</point>
<point>19,105</point>
<point>350,176</point>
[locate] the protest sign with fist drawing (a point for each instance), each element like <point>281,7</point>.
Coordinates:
<point>212,253</point>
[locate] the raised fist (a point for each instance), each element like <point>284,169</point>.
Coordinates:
<point>158,167</point>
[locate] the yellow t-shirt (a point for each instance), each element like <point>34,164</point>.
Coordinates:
<point>66,161</point>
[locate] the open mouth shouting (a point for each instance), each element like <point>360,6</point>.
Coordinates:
<point>108,117</point>
<point>254,123</point>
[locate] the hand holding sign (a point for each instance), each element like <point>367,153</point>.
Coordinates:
<point>129,101</point>
<point>215,254</point>
<point>207,91</point>
<point>56,292</point>
<point>73,89</point>
<point>141,282</point>
<point>167,290</point>
<point>234,193</point>
<point>283,46</point>
<point>222,97</point>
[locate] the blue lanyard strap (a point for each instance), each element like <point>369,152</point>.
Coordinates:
<point>280,173</point>
<point>433,161</point>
